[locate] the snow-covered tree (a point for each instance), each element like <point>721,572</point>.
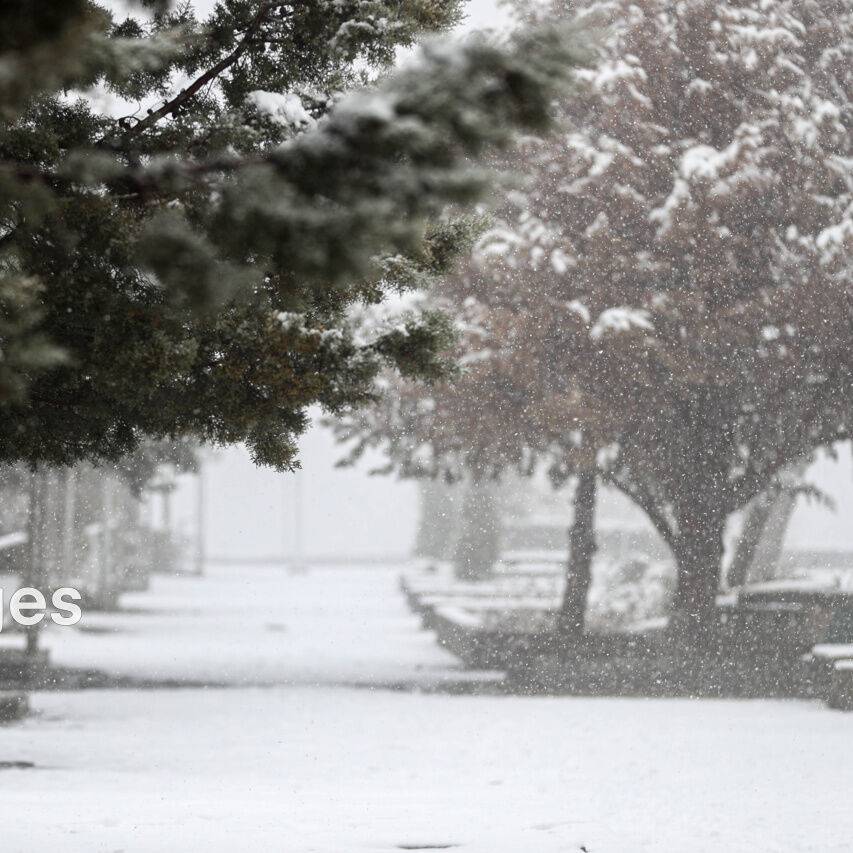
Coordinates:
<point>189,205</point>
<point>670,300</point>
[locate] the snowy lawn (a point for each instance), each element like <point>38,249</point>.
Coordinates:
<point>289,757</point>
<point>260,626</point>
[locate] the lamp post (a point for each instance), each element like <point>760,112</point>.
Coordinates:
<point>293,555</point>
<point>199,516</point>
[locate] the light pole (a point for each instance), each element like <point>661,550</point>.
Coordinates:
<point>199,515</point>
<point>293,555</point>
<point>34,568</point>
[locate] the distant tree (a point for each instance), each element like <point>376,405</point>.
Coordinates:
<point>670,299</point>
<point>189,208</point>
<point>460,523</point>
<point>514,404</point>
<point>436,528</point>
<point>477,546</point>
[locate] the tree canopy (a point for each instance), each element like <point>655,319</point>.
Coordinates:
<point>190,206</point>
<point>669,301</point>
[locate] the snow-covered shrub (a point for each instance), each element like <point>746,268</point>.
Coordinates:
<point>629,592</point>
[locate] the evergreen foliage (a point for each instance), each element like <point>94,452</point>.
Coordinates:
<point>190,206</point>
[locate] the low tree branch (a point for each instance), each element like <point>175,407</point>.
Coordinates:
<point>645,501</point>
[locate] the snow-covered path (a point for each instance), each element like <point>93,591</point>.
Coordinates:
<point>290,758</point>
<point>260,626</point>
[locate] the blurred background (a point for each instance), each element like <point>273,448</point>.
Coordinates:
<point>254,513</point>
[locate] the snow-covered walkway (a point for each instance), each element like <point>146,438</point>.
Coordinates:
<point>260,626</point>
<point>289,756</point>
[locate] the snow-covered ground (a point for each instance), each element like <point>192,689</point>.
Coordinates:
<point>260,626</point>
<point>305,746</point>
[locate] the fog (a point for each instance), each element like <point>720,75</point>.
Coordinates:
<point>583,286</point>
<point>252,512</point>
<point>348,512</point>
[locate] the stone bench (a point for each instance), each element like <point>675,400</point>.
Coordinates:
<point>832,666</point>
<point>840,695</point>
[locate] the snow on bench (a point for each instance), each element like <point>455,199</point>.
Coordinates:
<point>478,603</point>
<point>508,588</point>
<point>796,591</point>
<point>424,594</point>
<point>460,632</point>
<point>543,555</point>
<point>832,664</point>
<point>460,616</point>
<point>540,563</point>
<point>13,540</point>
<point>468,634</point>
<point>833,651</point>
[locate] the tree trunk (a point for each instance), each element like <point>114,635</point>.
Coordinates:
<point>699,554</point>
<point>768,553</point>
<point>754,523</point>
<point>478,546</point>
<point>582,547</point>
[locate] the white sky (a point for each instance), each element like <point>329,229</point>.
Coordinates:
<point>348,513</point>
<point>481,13</point>
<point>485,14</point>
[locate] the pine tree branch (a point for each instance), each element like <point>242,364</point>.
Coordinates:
<point>27,173</point>
<point>311,163</point>
<point>8,237</point>
<point>173,105</point>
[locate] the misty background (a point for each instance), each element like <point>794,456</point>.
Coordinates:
<point>251,512</point>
